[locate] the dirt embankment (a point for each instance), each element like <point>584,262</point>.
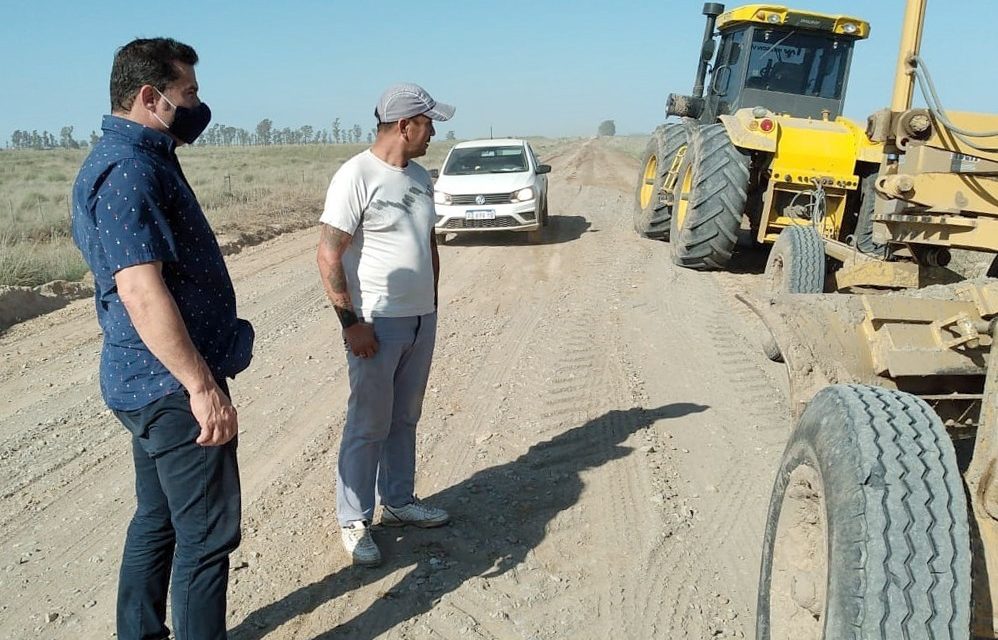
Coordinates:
<point>601,425</point>
<point>18,304</point>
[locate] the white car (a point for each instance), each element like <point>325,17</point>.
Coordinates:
<point>491,185</point>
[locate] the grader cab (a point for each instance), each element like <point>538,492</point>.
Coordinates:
<point>883,520</point>
<point>763,142</point>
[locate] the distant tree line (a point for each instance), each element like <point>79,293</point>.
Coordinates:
<point>45,140</point>
<point>266,133</point>
<point>218,135</point>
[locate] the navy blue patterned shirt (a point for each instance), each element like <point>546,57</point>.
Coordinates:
<point>133,205</point>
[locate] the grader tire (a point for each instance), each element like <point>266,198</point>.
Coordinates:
<point>707,217</point>
<point>652,207</point>
<point>868,533</point>
<point>796,262</point>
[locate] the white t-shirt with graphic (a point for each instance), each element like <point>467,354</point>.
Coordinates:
<point>390,214</point>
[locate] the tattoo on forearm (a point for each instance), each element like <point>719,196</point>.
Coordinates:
<point>336,242</point>
<point>338,280</point>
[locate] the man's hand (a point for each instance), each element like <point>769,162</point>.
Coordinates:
<point>360,339</point>
<point>154,313</point>
<point>214,412</point>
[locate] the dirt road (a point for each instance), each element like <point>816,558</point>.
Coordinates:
<point>601,425</point>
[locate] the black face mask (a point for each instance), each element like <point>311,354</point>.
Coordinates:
<point>188,123</point>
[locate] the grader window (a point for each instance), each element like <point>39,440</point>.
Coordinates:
<point>729,62</point>
<point>799,63</point>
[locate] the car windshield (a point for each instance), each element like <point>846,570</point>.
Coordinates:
<point>800,63</point>
<point>476,160</point>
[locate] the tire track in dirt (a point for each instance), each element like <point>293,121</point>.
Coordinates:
<point>684,570</point>
<point>584,383</point>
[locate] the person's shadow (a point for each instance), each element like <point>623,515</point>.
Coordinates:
<point>498,515</point>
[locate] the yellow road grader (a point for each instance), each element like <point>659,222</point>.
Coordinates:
<point>883,520</point>
<point>762,142</point>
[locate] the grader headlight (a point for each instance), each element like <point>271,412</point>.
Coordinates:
<point>849,28</point>
<point>771,18</point>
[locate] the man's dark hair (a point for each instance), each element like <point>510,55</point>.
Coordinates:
<point>382,126</point>
<point>146,61</point>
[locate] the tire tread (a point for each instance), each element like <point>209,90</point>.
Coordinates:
<point>717,201</point>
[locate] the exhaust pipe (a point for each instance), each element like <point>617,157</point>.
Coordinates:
<point>711,10</point>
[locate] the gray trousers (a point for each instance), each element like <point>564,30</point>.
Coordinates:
<point>378,448</point>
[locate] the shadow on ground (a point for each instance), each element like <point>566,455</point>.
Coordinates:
<point>560,229</point>
<point>499,514</point>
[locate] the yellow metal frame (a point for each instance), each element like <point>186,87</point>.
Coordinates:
<point>773,15</point>
<point>669,183</point>
<point>805,153</point>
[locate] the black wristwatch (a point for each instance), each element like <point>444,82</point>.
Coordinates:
<point>347,317</point>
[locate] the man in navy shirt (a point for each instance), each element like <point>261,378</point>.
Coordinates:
<point>167,309</point>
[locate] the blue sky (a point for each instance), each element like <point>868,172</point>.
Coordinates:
<point>541,67</point>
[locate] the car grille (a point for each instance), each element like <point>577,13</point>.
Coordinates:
<point>490,198</point>
<point>498,223</point>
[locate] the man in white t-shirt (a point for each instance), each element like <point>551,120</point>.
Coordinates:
<point>379,265</point>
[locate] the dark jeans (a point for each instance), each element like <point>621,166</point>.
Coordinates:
<point>186,519</point>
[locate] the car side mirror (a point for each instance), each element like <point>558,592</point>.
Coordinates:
<point>434,173</point>
<point>543,168</point>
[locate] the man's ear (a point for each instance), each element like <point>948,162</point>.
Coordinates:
<point>147,96</point>
<point>403,126</point>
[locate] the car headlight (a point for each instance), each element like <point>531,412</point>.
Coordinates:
<point>523,195</point>
<point>441,198</point>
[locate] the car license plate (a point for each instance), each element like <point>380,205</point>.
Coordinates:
<point>480,214</point>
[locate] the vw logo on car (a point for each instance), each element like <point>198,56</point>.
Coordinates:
<point>479,199</point>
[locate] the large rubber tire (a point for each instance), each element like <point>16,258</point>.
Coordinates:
<point>705,226</point>
<point>868,533</point>
<point>653,207</point>
<point>864,221</point>
<point>796,261</point>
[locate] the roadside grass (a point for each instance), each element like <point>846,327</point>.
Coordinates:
<point>27,263</point>
<point>256,191</point>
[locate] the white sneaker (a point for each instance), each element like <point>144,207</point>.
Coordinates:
<point>415,513</point>
<point>359,544</point>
